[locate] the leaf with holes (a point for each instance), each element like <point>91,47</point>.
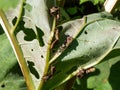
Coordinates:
<point>31,31</point>
<point>95,41</point>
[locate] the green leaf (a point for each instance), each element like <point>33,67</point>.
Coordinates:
<point>33,33</point>
<point>93,1</point>
<point>109,74</point>
<point>13,81</point>
<point>39,21</point>
<point>97,39</point>
<point>10,73</point>
<point>72,11</point>
<point>6,4</point>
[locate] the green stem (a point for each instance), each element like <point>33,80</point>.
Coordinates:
<point>19,17</point>
<point>88,65</point>
<point>17,50</point>
<point>58,54</point>
<point>48,54</point>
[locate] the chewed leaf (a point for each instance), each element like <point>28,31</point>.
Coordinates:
<point>31,40</point>
<point>73,28</point>
<point>66,35</point>
<point>95,42</point>
<point>92,45</point>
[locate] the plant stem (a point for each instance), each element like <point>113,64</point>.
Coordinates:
<point>48,54</point>
<point>19,17</point>
<point>17,49</point>
<point>58,54</point>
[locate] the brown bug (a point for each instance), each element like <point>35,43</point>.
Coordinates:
<point>83,72</point>
<point>46,77</point>
<point>89,70</point>
<point>67,41</point>
<point>55,11</point>
<point>52,71</point>
<point>56,38</point>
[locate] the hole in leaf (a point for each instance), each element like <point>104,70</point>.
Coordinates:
<point>60,28</point>
<point>14,20</point>
<point>3,85</point>
<point>32,69</point>
<point>1,30</point>
<point>40,35</point>
<point>30,34</point>
<point>42,56</point>
<point>86,32</point>
<point>31,49</point>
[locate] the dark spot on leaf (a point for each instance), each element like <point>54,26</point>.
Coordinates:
<point>14,20</point>
<point>1,30</point>
<point>30,34</point>
<point>60,28</point>
<point>31,49</point>
<point>40,35</point>
<point>86,32</point>
<point>32,69</point>
<point>42,56</point>
<point>53,50</point>
<point>3,85</point>
<point>114,77</point>
<point>90,48</point>
<point>113,28</point>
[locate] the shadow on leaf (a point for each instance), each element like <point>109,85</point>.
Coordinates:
<point>81,83</point>
<point>1,30</point>
<point>114,78</point>
<point>32,69</point>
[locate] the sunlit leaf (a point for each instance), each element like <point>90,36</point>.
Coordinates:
<point>6,4</point>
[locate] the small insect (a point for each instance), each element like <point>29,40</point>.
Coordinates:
<point>52,70</point>
<point>55,11</point>
<point>68,40</point>
<point>56,38</point>
<point>89,70</point>
<point>48,76</point>
<point>83,72</point>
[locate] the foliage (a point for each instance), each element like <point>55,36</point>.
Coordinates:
<point>93,1</point>
<point>6,4</point>
<point>53,48</point>
<point>10,78</point>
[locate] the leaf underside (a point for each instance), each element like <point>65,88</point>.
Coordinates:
<point>95,39</point>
